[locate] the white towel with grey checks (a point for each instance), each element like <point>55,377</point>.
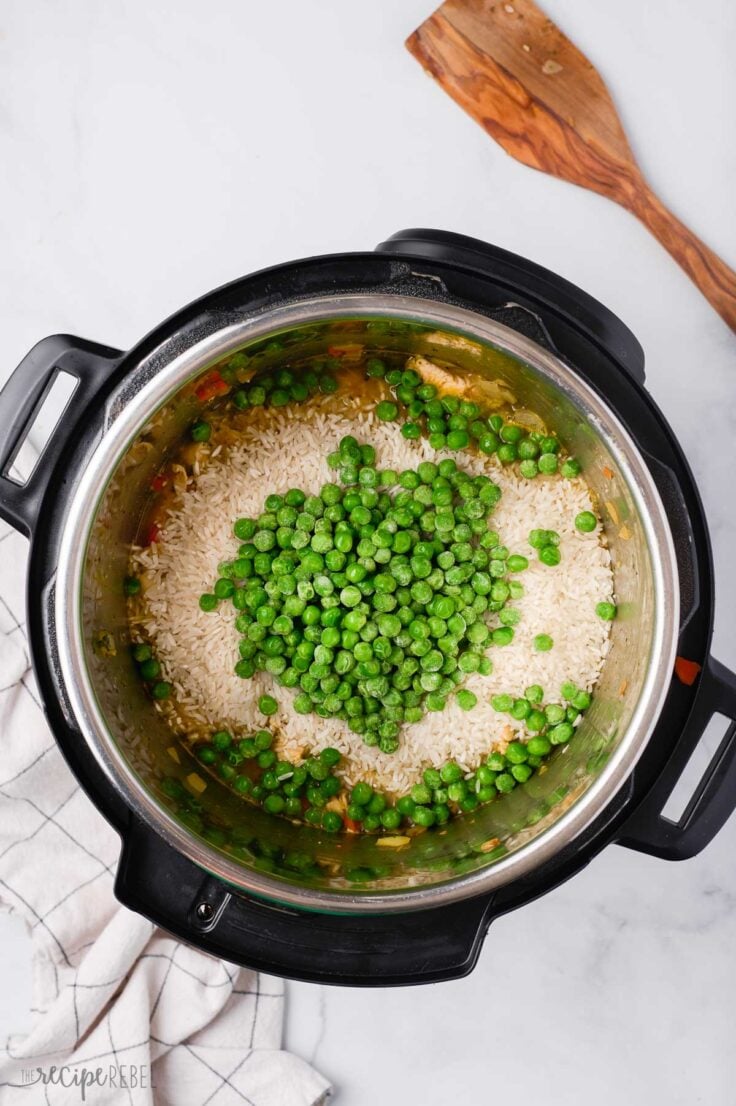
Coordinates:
<point>122,1012</point>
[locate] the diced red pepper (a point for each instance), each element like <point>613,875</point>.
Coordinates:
<point>352,825</point>
<point>687,671</point>
<point>152,534</point>
<point>158,483</point>
<point>212,385</point>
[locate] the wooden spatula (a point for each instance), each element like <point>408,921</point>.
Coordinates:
<point>533,91</point>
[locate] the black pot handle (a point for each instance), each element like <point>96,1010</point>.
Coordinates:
<point>22,398</point>
<point>530,281</point>
<point>714,799</point>
<point>380,950</point>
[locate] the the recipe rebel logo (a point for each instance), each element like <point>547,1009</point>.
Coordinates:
<point>86,1080</point>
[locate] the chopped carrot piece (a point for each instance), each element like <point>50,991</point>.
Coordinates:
<point>212,385</point>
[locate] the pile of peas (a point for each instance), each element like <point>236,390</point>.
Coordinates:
<point>277,388</point>
<point>447,791</point>
<point>150,670</point>
<point>554,722</point>
<point>281,387</point>
<point>241,842</point>
<point>452,423</point>
<point>301,791</point>
<point>546,543</point>
<point>372,607</point>
<point>250,766</point>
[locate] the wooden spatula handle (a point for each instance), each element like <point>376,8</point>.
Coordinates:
<point>712,276</point>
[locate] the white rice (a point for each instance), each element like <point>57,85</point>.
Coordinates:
<point>198,650</point>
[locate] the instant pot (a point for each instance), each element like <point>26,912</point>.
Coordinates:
<point>286,898</point>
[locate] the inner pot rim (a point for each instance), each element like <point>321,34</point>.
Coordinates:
<point>139,408</point>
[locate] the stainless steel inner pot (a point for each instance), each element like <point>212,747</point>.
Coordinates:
<point>297,864</point>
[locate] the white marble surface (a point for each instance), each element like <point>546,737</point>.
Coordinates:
<point>151,151</point>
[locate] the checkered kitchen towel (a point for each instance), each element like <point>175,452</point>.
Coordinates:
<point>111,991</point>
